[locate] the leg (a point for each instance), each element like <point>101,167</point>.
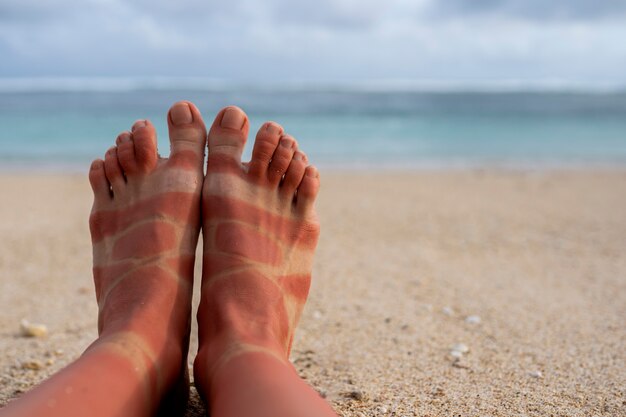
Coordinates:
<point>144,225</point>
<point>260,232</point>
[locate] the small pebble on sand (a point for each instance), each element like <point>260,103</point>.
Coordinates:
<point>356,395</point>
<point>448,311</point>
<point>536,374</point>
<point>455,354</point>
<point>317,314</point>
<point>472,319</point>
<point>459,347</point>
<point>33,365</point>
<point>459,363</point>
<point>33,330</point>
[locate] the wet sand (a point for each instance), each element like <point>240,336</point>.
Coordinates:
<point>524,271</point>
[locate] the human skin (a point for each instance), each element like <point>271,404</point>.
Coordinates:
<point>260,233</point>
<point>144,223</point>
<point>260,230</point>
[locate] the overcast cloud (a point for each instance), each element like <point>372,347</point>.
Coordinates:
<point>455,40</point>
<point>533,9</point>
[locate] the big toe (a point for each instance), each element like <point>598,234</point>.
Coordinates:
<point>227,137</point>
<point>187,134</point>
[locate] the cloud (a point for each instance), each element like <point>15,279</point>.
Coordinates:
<point>581,10</point>
<point>335,14</point>
<point>327,39</point>
<point>33,10</point>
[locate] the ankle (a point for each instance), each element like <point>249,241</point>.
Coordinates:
<point>159,368</point>
<point>217,353</point>
<point>257,383</point>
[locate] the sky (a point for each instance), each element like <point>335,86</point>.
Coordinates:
<point>457,41</point>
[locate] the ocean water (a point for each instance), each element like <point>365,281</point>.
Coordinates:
<point>65,128</point>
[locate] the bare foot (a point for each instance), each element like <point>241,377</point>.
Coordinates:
<point>260,231</point>
<point>144,226</point>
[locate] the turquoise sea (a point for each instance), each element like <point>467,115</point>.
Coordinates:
<point>63,127</point>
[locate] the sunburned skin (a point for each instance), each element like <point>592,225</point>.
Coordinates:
<point>144,224</point>
<point>260,230</point>
<point>144,231</point>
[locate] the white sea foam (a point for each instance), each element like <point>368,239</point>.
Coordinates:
<point>125,84</point>
<point>106,84</point>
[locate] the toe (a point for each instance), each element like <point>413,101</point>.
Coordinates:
<point>281,159</point>
<point>98,180</point>
<point>307,191</point>
<point>294,173</point>
<point>264,147</point>
<point>187,134</point>
<point>145,141</point>
<point>113,171</point>
<point>126,153</point>
<point>227,138</point>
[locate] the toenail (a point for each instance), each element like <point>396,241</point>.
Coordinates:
<point>287,142</point>
<point>312,172</point>
<point>298,156</point>
<point>180,114</point>
<point>233,119</point>
<point>138,124</point>
<point>273,128</point>
<point>124,138</point>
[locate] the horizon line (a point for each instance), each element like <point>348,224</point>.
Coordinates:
<point>20,84</point>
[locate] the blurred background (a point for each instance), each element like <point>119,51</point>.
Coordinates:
<point>361,84</point>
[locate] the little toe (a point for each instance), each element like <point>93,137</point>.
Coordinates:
<point>98,180</point>
<point>264,147</point>
<point>187,134</point>
<point>294,173</point>
<point>126,153</point>
<point>307,191</point>
<point>113,171</point>
<point>227,138</point>
<point>145,141</point>
<point>281,159</point>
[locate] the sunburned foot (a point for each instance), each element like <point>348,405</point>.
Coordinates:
<point>144,226</point>
<point>260,231</point>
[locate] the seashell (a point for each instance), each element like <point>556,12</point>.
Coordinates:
<point>459,347</point>
<point>33,330</point>
<point>456,354</point>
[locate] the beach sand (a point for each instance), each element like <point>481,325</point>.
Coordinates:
<point>537,260</point>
